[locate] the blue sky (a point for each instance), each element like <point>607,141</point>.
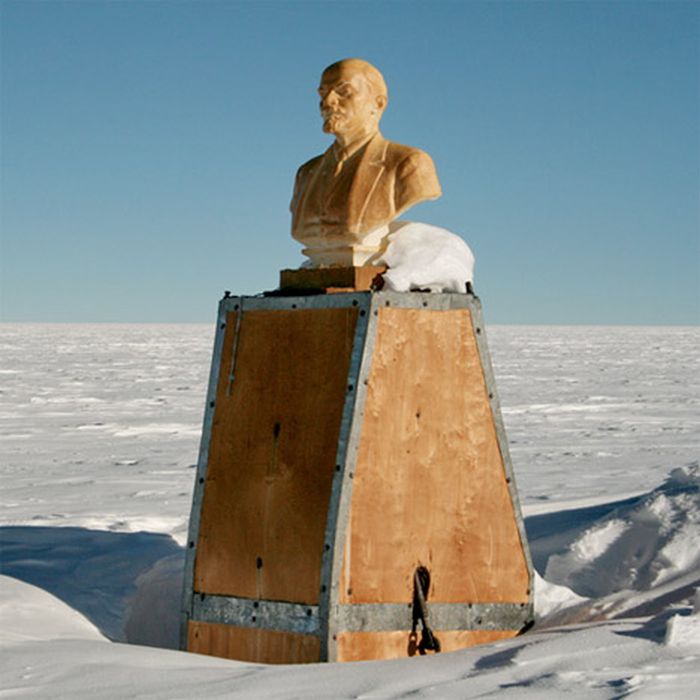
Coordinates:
<point>149,149</point>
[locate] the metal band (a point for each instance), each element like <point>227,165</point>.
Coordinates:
<point>265,614</point>
<point>387,617</point>
<point>365,617</point>
<point>502,439</point>
<point>340,300</point>
<point>202,462</point>
<point>346,456</point>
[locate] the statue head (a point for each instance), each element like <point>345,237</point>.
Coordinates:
<point>353,97</point>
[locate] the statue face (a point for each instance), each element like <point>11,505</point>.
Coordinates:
<point>348,105</point>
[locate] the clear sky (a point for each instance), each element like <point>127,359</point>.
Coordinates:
<point>149,149</point>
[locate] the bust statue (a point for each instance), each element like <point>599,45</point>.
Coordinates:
<point>345,199</point>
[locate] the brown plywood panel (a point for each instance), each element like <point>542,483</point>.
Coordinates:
<point>272,453</point>
<point>365,646</point>
<point>256,645</point>
<point>429,484</point>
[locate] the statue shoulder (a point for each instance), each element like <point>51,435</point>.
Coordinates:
<point>415,176</point>
<point>398,154</point>
<point>310,165</point>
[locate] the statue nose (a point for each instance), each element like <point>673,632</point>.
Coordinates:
<point>330,100</point>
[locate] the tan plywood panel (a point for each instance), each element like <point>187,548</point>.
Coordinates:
<point>274,437</point>
<point>429,484</point>
<point>365,646</point>
<point>256,645</point>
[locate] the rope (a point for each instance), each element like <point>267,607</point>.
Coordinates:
<point>428,641</point>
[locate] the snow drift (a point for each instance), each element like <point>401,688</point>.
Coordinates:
<point>421,256</point>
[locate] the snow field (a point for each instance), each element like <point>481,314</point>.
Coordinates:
<point>99,428</point>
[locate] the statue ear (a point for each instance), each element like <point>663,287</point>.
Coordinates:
<point>382,102</point>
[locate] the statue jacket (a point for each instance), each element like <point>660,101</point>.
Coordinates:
<point>371,188</point>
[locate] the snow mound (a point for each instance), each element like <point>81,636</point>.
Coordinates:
<point>152,616</point>
<point>30,613</point>
<point>551,598</point>
<point>683,631</point>
<point>421,256</point>
<point>642,544</point>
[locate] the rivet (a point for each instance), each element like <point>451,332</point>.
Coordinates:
<point>362,312</point>
<point>350,475</point>
<point>222,326</point>
<point>212,404</point>
<point>191,545</point>
<point>202,596</point>
<point>490,395</point>
<point>478,330</point>
<point>337,467</point>
<point>387,303</point>
<point>507,480</point>
<point>354,302</point>
<point>323,588</point>
<point>309,612</point>
<point>236,307</point>
<point>350,387</point>
<point>201,479</point>
<point>254,619</point>
<point>425,303</point>
<point>256,604</point>
<point>294,306</point>
<point>327,547</point>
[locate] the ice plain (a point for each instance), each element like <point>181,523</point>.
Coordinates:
<point>99,430</point>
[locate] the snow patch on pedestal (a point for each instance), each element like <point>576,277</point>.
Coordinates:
<point>421,256</point>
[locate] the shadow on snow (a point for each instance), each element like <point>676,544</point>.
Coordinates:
<point>102,574</point>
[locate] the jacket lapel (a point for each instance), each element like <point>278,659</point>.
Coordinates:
<point>370,170</point>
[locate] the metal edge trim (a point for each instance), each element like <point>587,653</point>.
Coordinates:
<point>387,617</point>
<point>202,464</point>
<point>256,614</point>
<point>406,300</point>
<point>310,301</point>
<point>346,457</point>
<point>281,616</point>
<point>490,380</point>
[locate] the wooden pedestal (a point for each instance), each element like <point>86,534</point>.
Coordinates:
<point>333,279</point>
<point>349,439</point>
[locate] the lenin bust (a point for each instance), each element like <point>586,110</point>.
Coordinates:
<point>345,198</point>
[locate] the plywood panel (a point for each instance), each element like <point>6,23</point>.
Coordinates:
<point>272,453</point>
<point>429,484</point>
<point>256,645</point>
<point>364,646</point>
